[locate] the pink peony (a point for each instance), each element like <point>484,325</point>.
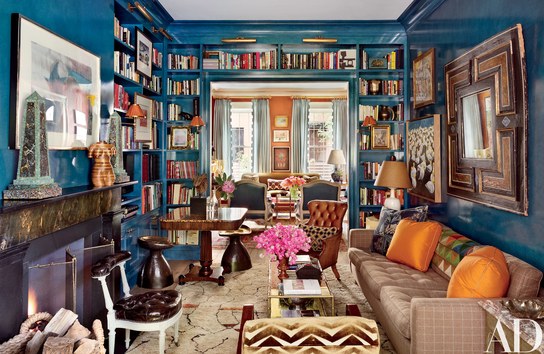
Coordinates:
<point>228,187</point>
<point>292,181</point>
<point>283,241</point>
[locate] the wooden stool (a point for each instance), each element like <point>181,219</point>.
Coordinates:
<point>235,258</point>
<point>156,272</point>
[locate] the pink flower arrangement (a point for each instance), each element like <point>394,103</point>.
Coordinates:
<point>283,241</point>
<point>292,181</point>
<point>225,185</point>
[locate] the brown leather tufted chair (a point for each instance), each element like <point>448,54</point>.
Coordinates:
<point>328,213</point>
<point>150,311</point>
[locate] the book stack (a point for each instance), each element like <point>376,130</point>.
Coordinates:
<point>178,193</point>
<point>184,87</point>
<point>123,65</point>
<point>151,196</point>
<point>181,169</point>
<point>129,211</point>
<point>153,84</point>
<point>374,112</point>
<point>122,33</point>
<point>182,62</point>
<point>121,98</point>
<point>370,196</point>
<point>301,287</point>
<point>388,87</point>
<point>157,58</point>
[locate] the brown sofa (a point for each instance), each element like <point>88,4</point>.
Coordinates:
<point>264,177</point>
<point>412,306</point>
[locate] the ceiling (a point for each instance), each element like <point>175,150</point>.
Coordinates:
<point>232,89</point>
<point>285,10</point>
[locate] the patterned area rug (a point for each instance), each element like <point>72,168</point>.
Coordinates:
<point>211,313</point>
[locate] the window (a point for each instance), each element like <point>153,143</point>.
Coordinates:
<point>241,122</point>
<point>320,138</point>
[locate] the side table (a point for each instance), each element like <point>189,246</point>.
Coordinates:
<point>156,272</point>
<point>236,257</point>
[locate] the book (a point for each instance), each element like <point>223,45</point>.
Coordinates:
<point>299,313</point>
<point>301,287</point>
<point>303,258</point>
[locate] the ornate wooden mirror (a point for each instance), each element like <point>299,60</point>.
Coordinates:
<point>486,103</point>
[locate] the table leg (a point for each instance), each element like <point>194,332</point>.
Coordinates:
<point>204,272</point>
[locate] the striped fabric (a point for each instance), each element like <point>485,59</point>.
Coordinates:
<point>451,248</point>
<point>340,335</point>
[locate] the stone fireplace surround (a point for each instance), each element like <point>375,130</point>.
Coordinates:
<point>29,230</point>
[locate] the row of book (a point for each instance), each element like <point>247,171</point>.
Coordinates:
<point>157,58</point>
<point>396,142</point>
<point>240,61</point>
<point>121,98</point>
<point>182,62</point>
<point>122,33</point>
<point>370,169</point>
<point>123,65</point>
<point>368,220</point>
<point>151,196</point>
<point>394,60</point>
<point>181,169</point>
<point>150,167</point>
<point>386,87</point>
<point>378,112</point>
<point>154,84</point>
<point>130,210</point>
<point>337,60</point>
<point>370,196</point>
<point>184,87</point>
<point>183,237</point>
<point>156,109</point>
<point>174,112</point>
<point>178,193</point>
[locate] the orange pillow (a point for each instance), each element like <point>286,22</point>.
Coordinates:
<point>480,274</point>
<point>413,243</point>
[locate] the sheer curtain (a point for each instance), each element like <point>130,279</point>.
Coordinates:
<point>340,126</point>
<point>299,132</point>
<point>472,128</point>
<point>222,133</point>
<point>261,135</point>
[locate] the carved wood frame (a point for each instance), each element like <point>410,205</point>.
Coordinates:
<point>497,64</point>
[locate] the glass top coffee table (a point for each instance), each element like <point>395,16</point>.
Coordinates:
<point>278,303</point>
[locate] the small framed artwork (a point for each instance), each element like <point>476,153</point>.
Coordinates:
<point>179,138</point>
<point>280,160</point>
<point>377,63</point>
<point>380,137</point>
<point>281,122</point>
<point>424,79</point>
<point>144,48</point>
<point>281,136</point>
<point>143,126</point>
<point>423,157</point>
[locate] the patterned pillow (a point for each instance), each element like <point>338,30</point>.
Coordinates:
<point>274,184</point>
<point>388,222</point>
<point>318,234</point>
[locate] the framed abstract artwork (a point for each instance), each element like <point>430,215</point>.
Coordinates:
<point>179,138</point>
<point>66,75</point>
<point>380,136</point>
<point>144,50</point>
<point>281,136</point>
<point>281,121</point>
<point>280,159</point>
<point>143,126</point>
<point>423,157</point>
<point>424,79</point>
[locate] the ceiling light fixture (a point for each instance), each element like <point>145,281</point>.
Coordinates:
<point>161,31</point>
<point>239,40</point>
<point>140,8</point>
<point>319,40</point>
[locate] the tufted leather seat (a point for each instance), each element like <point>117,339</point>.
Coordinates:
<point>328,213</point>
<point>149,307</point>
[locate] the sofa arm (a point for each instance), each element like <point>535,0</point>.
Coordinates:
<point>360,238</point>
<point>441,324</point>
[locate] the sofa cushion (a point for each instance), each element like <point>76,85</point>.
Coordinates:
<point>389,220</point>
<point>414,243</point>
<point>451,248</point>
<point>318,234</point>
<point>481,274</point>
<point>524,278</point>
<point>377,272</point>
<point>275,184</point>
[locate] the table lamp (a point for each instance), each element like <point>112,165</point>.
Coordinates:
<point>336,158</point>
<point>393,175</point>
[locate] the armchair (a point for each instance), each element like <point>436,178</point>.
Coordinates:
<point>318,189</point>
<point>150,311</point>
<point>328,214</point>
<point>252,195</point>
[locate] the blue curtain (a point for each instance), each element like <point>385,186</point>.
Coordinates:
<point>340,126</point>
<point>222,133</point>
<point>299,131</point>
<point>261,135</point>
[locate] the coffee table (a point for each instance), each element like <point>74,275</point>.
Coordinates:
<point>277,301</point>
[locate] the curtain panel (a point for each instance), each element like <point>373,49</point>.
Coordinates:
<point>261,136</point>
<point>222,133</point>
<point>299,131</point>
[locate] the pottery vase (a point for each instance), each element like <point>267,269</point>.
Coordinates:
<point>283,265</point>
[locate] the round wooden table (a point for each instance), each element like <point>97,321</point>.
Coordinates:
<point>235,258</point>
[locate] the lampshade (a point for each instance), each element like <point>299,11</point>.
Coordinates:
<point>135,111</point>
<point>336,158</point>
<point>197,122</point>
<point>369,120</point>
<point>393,174</point>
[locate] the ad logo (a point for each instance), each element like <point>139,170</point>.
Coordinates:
<point>498,332</point>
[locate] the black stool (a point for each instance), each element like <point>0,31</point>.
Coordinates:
<point>235,258</point>
<point>156,272</point>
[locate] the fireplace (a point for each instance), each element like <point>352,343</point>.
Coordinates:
<point>46,250</point>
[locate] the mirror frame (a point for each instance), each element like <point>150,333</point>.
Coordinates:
<point>497,64</point>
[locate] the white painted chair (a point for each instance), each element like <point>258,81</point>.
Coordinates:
<point>150,311</point>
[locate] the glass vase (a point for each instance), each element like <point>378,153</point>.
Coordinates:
<point>293,192</point>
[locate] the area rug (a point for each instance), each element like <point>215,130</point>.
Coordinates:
<point>211,313</point>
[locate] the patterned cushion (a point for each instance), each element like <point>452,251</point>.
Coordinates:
<point>388,222</point>
<point>318,234</point>
<point>275,184</point>
<point>341,334</point>
<point>451,248</point>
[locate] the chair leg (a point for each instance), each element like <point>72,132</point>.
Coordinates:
<point>176,333</point>
<point>335,271</point>
<point>162,339</point>
<point>127,338</point>
<point>111,340</point>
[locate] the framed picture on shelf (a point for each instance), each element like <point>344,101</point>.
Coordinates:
<point>281,136</point>
<point>377,63</point>
<point>144,49</point>
<point>424,79</point>
<point>380,137</point>
<point>281,158</point>
<point>143,126</point>
<point>423,157</point>
<point>179,138</point>
<point>64,74</point>
<point>281,121</point>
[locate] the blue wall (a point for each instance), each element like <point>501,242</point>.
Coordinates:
<point>452,27</point>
